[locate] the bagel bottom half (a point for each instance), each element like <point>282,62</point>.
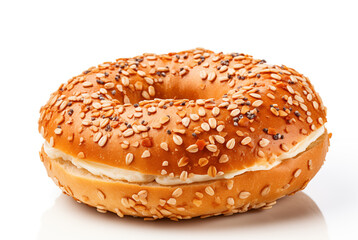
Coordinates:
<point>251,190</point>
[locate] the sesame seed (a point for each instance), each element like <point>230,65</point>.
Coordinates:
<point>97,105</point>
<point>230,184</point>
<point>299,98</point>
<point>272,88</point>
<point>194,117</point>
<point>282,113</point>
<point>293,78</point>
<point>52,142</point>
<point>203,74</point>
<point>265,190</point>
<point>215,111</point>
<point>289,100</point>
<point>100,210</point>
<point>125,81</point>
<point>183,176</point>
<point>200,102</point>
<point>271,204</point>
<point>141,73</point>
<point>201,112</point>
<point>146,154</point>
<point>223,78</point>
<point>238,66</point>
<point>235,112</point>
<point>290,89</point>
<point>185,121</point>
<point>230,201</point>
<point>274,111</point>
<point>58,131</point>
<point>212,171</point>
<point>257,103</point>
<point>152,109</point>
<point>109,85</point>
<point>231,106</point>
<point>164,120</point>
<point>261,154</point>
<point>212,122</point>
<point>220,128</point>
<point>87,84</point>
<point>172,201</point>
<point>125,202</point>
<point>212,147</point>
<point>118,212</point>
<point>149,80</point>
<point>177,139</point>
<point>205,126</point>
<point>183,72</point>
<point>164,146</point>
<point>129,132</point>
<point>211,76</point>
<point>216,58</point>
<point>284,147</point>
<point>309,163</point>
<point>210,191</point>
<point>163,69</point>
<point>151,91</point>
<point>270,95</point>
<point>266,207</point>
<point>129,158</point>
<point>177,192</point>
<point>81,155</point>
<point>309,120</point>
<point>183,161</point>
<point>223,158</point>
<point>264,142</point>
<point>203,161</point>
<point>297,173</point>
<point>197,202</point>
<point>192,148</point>
<point>320,121</point>
<point>223,69</point>
<point>255,95</point>
<point>230,144</point>
<point>219,139</point>
<point>275,76</point>
<point>101,195</point>
<point>125,73</point>
<point>102,141</point>
<point>244,195</point>
<point>246,141</point>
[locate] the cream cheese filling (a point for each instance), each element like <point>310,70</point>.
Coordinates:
<point>100,169</point>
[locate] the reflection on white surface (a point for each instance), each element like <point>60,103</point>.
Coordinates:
<point>295,217</point>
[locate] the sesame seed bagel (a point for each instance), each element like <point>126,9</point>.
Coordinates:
<point>187,118</point>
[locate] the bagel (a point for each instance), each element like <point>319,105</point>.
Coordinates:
<point>181,135</point>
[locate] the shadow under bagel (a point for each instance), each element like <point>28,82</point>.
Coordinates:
<point>295,216</point>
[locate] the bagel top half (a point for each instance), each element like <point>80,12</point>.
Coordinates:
<point>182,117</point>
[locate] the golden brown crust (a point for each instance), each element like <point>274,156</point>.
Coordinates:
<point>241,110</point>
<point>258,189</point>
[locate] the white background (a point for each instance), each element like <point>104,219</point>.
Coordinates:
<point>43,44</point>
